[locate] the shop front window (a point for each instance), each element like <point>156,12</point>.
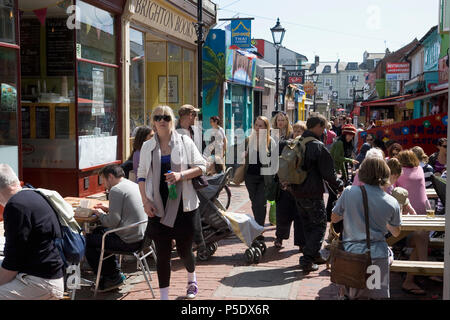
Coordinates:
<point>47,90</point>
<point>188,74</point>
<point>156,75</point>
<point>96,37</point>
<point>137,79</point>
<point>97,87</point>
<point>7,21</point>
<point>175,76</point>
<point>8,108</point>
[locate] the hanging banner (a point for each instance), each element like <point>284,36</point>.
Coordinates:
<point>41,14</point>
<point>397,71</point>
<point>423,132</point>
<point>241,33</point>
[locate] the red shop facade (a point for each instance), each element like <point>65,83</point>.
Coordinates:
<point>61,104</point>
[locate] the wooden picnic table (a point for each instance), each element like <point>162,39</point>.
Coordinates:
<point>411,223</point>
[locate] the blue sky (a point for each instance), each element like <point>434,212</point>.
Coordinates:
<point>333,28</point>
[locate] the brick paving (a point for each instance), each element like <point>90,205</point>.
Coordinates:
<point>227,276</point>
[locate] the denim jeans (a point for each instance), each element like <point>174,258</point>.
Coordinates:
<point>314,219</point>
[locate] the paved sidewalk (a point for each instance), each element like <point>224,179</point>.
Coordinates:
<point>227,276</point>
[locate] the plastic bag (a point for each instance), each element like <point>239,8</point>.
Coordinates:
<point>273,213</point>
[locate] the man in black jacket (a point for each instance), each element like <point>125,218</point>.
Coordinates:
<point>309,195</point>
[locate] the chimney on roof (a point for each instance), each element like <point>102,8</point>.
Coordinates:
<point>316,60</point>
<point>387,51</point>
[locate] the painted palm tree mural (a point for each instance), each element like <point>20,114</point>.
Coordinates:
<point>214,77</point>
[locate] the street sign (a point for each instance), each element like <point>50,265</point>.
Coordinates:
<point>241,33</point>
<point>295,76</point>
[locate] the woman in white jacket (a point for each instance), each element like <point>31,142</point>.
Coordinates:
<point>166,159</point>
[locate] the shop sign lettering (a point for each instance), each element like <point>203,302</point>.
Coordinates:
<point>162,18</point>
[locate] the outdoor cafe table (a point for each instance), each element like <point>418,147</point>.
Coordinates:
<point>411,223</point>
<point>431,194</point>
<point>87,222</point>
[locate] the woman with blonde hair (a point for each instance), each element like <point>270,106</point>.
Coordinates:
<point>168,159</point>
<point>427,169</point>
<point>281,122</point>
<point>258,143</point>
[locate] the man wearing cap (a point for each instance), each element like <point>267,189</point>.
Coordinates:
<point>186,126</point>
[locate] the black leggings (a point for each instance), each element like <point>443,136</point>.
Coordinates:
<point>183,233</point>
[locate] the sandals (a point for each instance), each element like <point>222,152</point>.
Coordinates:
<point>278,243</point>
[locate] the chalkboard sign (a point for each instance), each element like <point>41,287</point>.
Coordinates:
<point>30,47</point>
<point>26,131</point>
<point>42,122</point>
<point>62,123</point>
<point>60,48</point>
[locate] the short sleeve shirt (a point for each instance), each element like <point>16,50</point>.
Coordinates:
<point>383,209</point>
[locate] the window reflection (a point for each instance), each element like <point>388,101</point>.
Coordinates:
<point>7,21</point>
<point>137,79</point>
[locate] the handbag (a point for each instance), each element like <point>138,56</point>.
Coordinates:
<point>199,182</point>
<point>347,268</point>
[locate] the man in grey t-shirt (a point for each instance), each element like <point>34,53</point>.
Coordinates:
<point>125,208</point>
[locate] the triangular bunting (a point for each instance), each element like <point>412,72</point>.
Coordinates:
<point>41,14</point>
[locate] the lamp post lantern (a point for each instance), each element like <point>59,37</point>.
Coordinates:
<point>277,34</point>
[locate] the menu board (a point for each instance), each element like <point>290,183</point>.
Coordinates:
<point>30,47</point>
<point>26,131</point>
<point>62,123</point>
<point>42,122</point>
<point>59,48</point>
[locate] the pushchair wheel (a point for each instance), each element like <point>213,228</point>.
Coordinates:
<point>261,245</point>
<point>216,245</point>
<point>257,255</point>
<point>249,255</point>
<point>203,255</point>
<point>212,247</point>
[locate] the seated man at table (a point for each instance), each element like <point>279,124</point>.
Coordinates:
<point>32,268</point>
<point>125,208</point>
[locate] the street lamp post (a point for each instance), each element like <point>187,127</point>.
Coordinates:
<point>315,78</point>
<point>354,81</point>
<point>277,34</point>
<point>199,30</point>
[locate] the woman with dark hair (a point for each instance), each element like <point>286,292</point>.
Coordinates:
<point>368,144</point>
<point>438,160</point>
<point>143,134</point>
<point>384,216</point>
<point>393,150</point>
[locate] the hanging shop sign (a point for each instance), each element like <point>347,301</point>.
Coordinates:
<point>422,132</point>
<point>295,76</point>
<point>241,33</point>
<point>309,87</point>
<point>397,71</point>
<point>158,15</point>
<point>443,69</point>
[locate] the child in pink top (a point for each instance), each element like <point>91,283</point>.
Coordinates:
<point>413,180</point>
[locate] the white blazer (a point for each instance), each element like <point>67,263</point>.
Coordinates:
<point>190,157</point>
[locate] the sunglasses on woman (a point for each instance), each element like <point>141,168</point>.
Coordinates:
<point>165,117</point>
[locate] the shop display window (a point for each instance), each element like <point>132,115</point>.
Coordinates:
<point>7,21</point>
<point>137,79</point>
<point>47,90</point>
<point>96,38</point>
<point>8,108</point>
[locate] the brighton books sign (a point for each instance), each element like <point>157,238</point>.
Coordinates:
<point>158,15</point>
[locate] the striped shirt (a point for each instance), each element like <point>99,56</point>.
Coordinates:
<point>428,172</point>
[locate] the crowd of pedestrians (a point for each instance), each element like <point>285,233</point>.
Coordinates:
<point>169,153</point>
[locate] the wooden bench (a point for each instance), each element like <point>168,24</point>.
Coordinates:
<point>425,268</point>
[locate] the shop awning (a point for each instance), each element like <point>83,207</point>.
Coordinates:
<point>387,101</point>
<point>427,95</point>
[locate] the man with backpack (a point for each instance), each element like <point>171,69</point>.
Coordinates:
<point>32,267</point>
<point>318,165</point>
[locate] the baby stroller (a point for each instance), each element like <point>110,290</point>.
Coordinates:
<point>216,223</point>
